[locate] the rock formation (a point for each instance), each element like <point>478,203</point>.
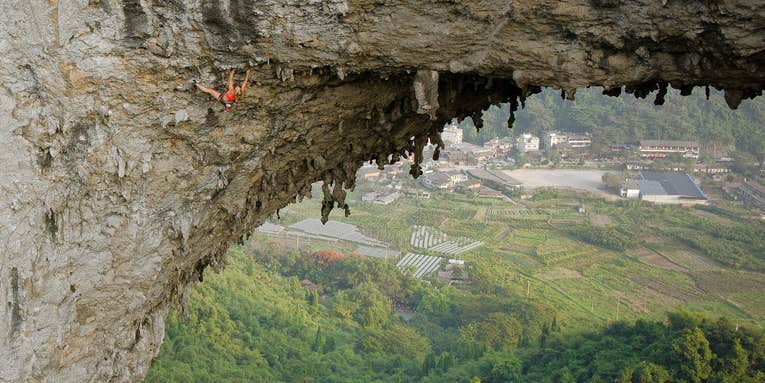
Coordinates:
<point>119,184</point>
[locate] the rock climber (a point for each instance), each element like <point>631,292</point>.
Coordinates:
<point>229,96</point>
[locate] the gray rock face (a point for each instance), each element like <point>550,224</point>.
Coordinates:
<point>119,183</point>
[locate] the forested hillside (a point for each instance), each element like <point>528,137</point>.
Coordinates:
<point>261,320</point>
<point>616,120</point>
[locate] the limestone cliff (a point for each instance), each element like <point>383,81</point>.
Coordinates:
<point>119,184</point>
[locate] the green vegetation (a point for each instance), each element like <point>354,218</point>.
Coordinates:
<point>686,349</point>
<point>612,180</point>
<point>736,246</point>
<point>607,237</point>
<point>555,295</point>
<point>257,322</point>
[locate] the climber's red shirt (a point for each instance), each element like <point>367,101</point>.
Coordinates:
<point>227,99</point>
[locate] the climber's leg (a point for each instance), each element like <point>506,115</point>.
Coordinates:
<point>211,92</point>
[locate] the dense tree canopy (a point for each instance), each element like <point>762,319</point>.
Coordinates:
<point>261,321</point>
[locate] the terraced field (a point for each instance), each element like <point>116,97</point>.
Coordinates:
<point>526,247</point>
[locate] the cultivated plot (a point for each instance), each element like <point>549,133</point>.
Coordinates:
<point>425,237</point>
<point>421,264</point>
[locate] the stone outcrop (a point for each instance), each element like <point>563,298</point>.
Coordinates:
<point>119,184</point>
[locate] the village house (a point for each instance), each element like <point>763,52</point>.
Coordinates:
<point>569,140</point>
<point>436,180</point>
<point>368,174</point>
<point>580,140</point>
<point>495,179</point>
<point>637,165</point>
<point>527,143</point>
<point>500,146</point>
<point>630,189</point>
<point>454,157</point>
<point>387,198</point>
<point>486,192</point>
<point>456,176</point>
<point>452,133</point>
<point>663,148</point>
<point>711,169</point>
<point>468,184</point>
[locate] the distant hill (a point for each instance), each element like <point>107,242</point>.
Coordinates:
<point>626,118</point>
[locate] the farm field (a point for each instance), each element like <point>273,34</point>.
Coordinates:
<point>531,247</point>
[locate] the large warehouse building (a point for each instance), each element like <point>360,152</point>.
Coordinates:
<point>670,188</point>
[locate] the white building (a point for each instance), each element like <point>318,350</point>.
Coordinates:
<point>452,133</point>
<point>630,189</point>
<point>456,177</point>
<point>663,148</point>
<point>436,180</point>
<point>527,143</point>
<point>387,199</point>
<point>552,139</point>
<point>381,198</point>
<point>580,140</point>
<point>369,197</point>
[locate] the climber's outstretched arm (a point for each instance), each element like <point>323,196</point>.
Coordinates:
<point>245,82</point>
<point>231,81</point>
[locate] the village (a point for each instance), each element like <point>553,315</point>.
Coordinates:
<point>509,171</point>
<point>657,171</point>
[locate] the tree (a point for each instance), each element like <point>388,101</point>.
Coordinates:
<point>613,181</point>
<point>742,161</point>
<point>691,356</point>
<point>566,376</point>
<point>690,165</point>
<point>498,330</point>
<point>707,159</point>
<point>329,345</point>
<point>506,369</point>
<point>326,257</point>
<point>434,303</point>
<point>521,160</point>
<point>429,363</point>
<point>553,156</point>
<point>626,375</point>
<point>446,361</point>
<point>545,334</point>
<point>682,319</point>
<point>317,341</point>
<point>372,308</point>
<point>646,372</point>
<point>737,362</point>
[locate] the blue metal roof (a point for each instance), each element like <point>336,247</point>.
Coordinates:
<point>648,187</point>
<point>672,183</point>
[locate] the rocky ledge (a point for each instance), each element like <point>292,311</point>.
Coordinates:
<point>119,184</point>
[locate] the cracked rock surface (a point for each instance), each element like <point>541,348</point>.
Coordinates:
<point>119,183</point>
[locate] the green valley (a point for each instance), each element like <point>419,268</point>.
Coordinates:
<point>557,276</point>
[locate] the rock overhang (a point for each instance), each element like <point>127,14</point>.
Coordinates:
<point>119,184</point>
